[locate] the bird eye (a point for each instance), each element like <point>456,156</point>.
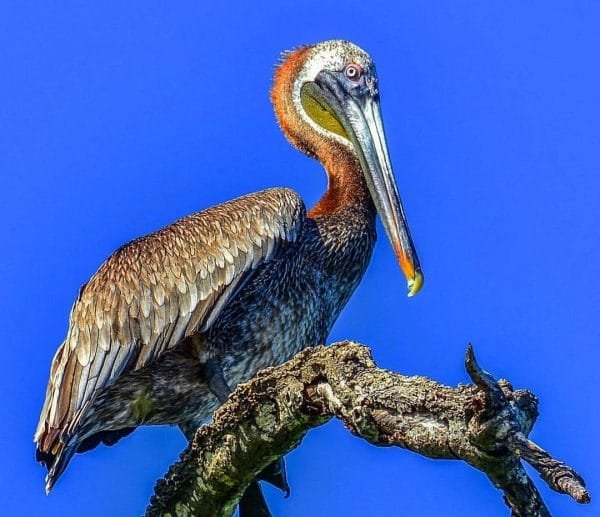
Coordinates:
<point>353,72</point>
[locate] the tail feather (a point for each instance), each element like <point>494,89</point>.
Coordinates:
<point>61,460</point>
<point>54,455</point>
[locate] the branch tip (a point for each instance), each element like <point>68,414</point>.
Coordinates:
<point>559,476</point>
<point>485,381</point>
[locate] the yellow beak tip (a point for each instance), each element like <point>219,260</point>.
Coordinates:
<point>415,284</point>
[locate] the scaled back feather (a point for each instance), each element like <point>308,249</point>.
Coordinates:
<point>152,293</point>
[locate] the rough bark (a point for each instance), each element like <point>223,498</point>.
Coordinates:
<point>485,424</point>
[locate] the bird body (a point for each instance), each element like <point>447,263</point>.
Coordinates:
<point>289,303</point>
<point>247,283</point>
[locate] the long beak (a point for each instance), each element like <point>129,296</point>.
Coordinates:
<point>360,115</point>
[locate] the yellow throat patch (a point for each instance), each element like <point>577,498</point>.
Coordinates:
<point>321,113</point>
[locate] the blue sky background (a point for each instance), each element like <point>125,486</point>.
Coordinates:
<point>118,117</point>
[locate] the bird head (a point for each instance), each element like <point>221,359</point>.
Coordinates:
<point>329,92</point>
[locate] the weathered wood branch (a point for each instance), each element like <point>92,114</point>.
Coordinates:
<point>485,424</point>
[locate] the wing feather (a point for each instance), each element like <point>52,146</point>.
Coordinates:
<point>159,289</point>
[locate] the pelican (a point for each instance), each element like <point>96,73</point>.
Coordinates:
<point>174,320</point>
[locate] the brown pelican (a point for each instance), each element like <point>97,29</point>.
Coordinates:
<point>172,320</point>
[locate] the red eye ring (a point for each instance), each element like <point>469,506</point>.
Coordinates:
<point>353,71</point>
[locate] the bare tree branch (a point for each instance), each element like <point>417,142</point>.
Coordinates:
<point>485,425</point>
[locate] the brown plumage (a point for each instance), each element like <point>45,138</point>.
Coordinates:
<point>154,292</point>
<point>249,282</point>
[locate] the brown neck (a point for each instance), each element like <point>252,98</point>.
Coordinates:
<point>346,183</point>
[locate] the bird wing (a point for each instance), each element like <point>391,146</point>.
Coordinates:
<point>157,290</point>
